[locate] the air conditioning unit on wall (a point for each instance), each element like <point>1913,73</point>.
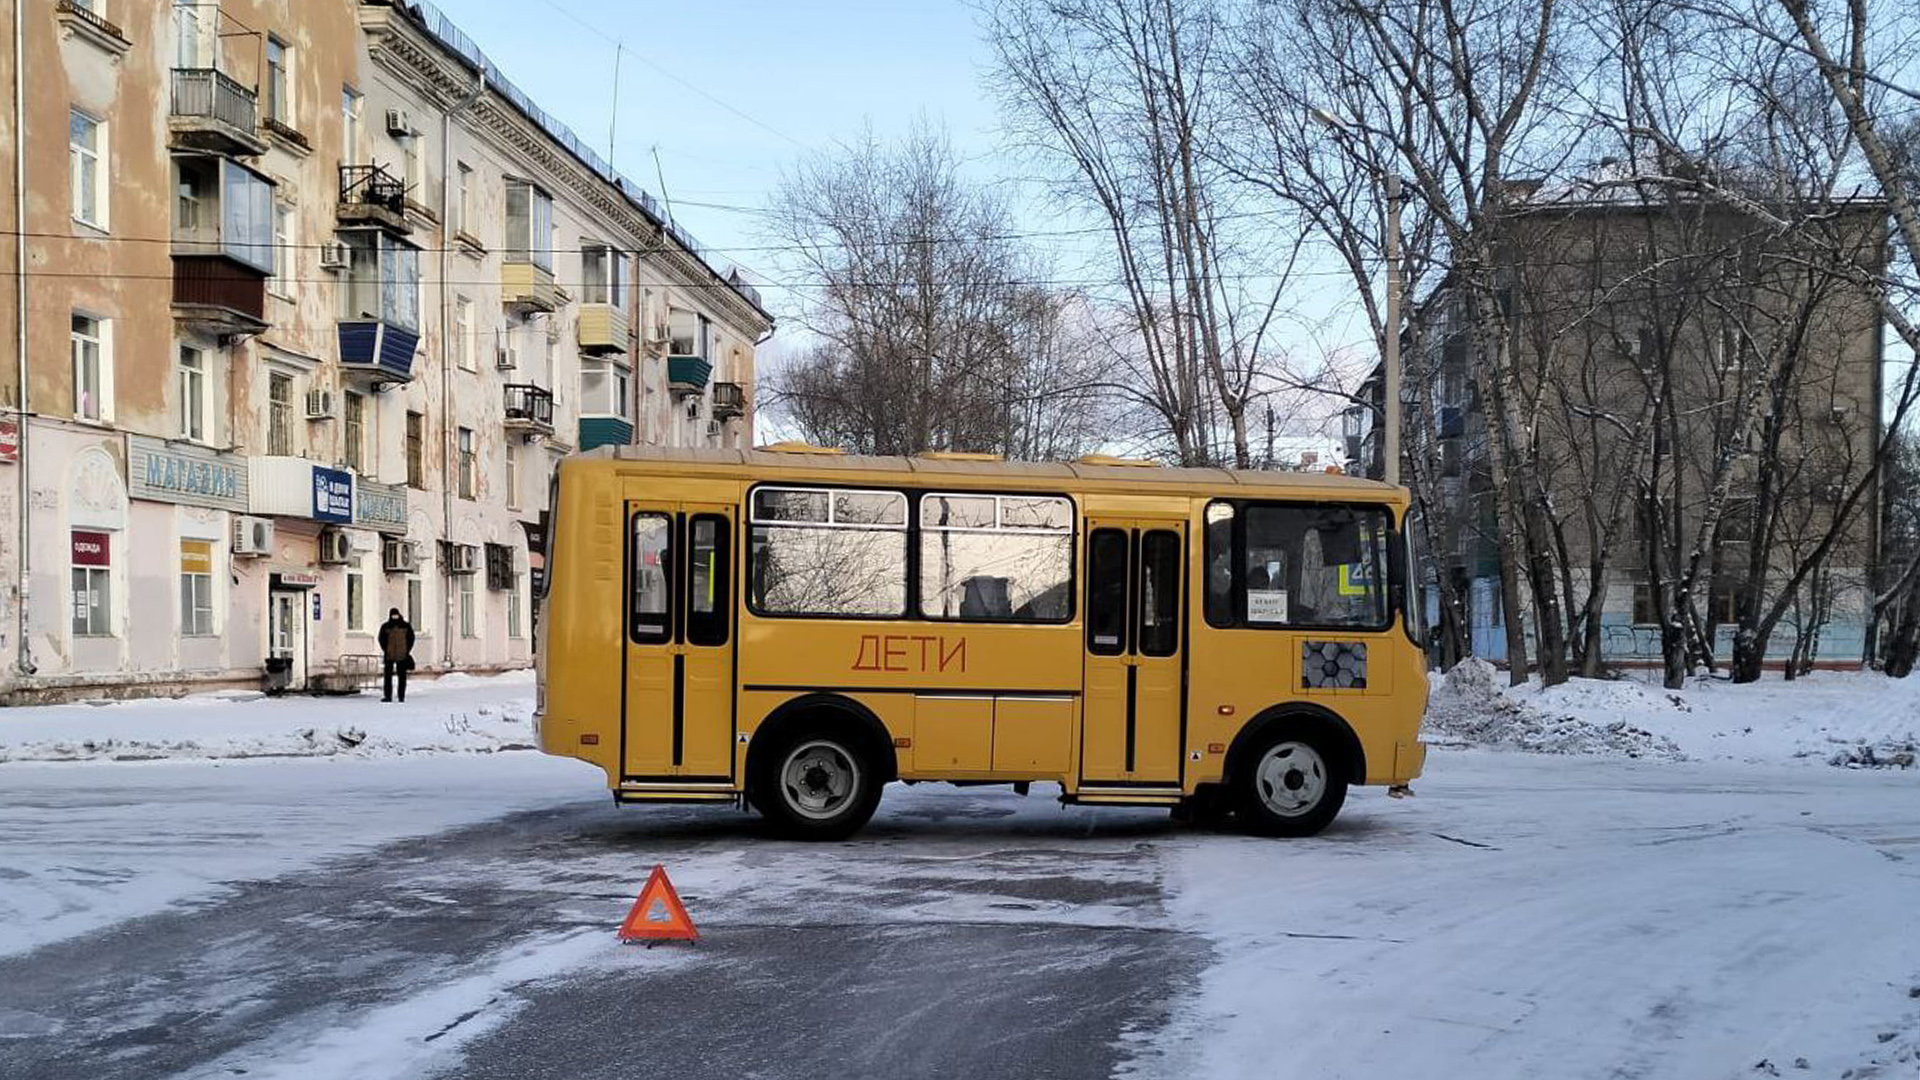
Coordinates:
<point>336,547</point>
<point>463,559</point>
<point>399,556</point>
<point>319,404</point>
<point>252,536</point>
<point>399,123</point>
<point>333,255</point>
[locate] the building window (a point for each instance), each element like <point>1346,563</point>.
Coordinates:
<point>605,388</point>
<point>513,608</point>
<point>463,200</point>
<point>196,588</point>
<point>190,48</point>
<point>416,450</point>
<point>92,578</point>
<point>351,105</point>
<point>356,595</point>
<point>529,225</point>
<point>86,143</point>
<point>91,367</point>
<point>688,332</point>
<point>382,279</point>
<point>284,219</point>
<point>279,414</point>
<point>467,463</point>
<point>221,207</point>
<point>192,376</point>
<point>463,343</point>
<point>466,606</point>
<point>604,277</point>
<point>416,605</point>
<point>279,86</point>
<point>190,195</point>
<point>353,410</point>
<point>1645,612</point>
<point>513,477</point>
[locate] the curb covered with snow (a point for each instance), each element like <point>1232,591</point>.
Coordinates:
<point>1854,719</point>
<point>453,714</point>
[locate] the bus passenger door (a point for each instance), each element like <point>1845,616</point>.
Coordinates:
<point>1131,704</point>
<point>679,660</point>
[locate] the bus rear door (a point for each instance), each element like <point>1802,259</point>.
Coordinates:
<point>1130,731</point>
<point>678,679</point>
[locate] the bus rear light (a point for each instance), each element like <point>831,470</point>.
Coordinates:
<point>1226,710</point>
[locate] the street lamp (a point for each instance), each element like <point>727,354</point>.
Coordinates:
<point>1390,182</point>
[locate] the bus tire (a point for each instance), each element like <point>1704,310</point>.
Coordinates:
<point>1292,782</point>
<point>816,782</point>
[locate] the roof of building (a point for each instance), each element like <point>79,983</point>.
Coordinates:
<point>443,30</point>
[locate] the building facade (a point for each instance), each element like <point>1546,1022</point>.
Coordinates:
<point>309,300</point>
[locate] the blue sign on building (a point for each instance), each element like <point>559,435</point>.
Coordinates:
<point>332,495</point>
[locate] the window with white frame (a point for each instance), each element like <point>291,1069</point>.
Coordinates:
<point>92,367</point>
<point>92,583</point>
<point>687,331</point>
<point>463,200</point>
<point>353,413</point>
<point>513,476</point>
<point>284,222</point>
<point>279,88</point>
<point>416,604</point>
<point>463,337</point>
<point>196,588</point>
<point>468,463</point>
<point>86,154</point>
<point>529,225</point>
<point>513,607</point>
<point>191,377</point>
<point>382,279</point>
<point>351,107</point>
<point>413,171</point>
<point>357,594</point>
<point>192,44</point>
<point>603,275</point>
<point>279,413</point>
<point>606,387</point>
<point>467,629</point>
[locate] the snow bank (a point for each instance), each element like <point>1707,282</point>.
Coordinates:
<point>455,714</point>
<point>1854,719</point>
<point>1470,708</point>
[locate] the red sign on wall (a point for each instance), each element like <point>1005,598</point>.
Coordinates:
<point>92,548</point>
<point>10,441</point>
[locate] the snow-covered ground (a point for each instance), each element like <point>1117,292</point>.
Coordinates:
<point>453,713</point>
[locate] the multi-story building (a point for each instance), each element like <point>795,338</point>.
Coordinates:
<point>1660,345</point>
<point>308,300</point>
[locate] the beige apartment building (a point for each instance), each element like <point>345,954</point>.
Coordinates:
<point>306,299</point>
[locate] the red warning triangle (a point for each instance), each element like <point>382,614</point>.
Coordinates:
<point>658,914</point>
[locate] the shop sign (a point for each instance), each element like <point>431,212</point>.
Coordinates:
<point>10,441</point>
<point>382,507</point>
<point>332,495</point>
<point>92,548</point>
<point>160,471</point>
<point>292,579</point>
<point>196,556</point>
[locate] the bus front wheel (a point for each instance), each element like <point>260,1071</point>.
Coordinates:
<point>816,785</point>
<point>1291,785</point>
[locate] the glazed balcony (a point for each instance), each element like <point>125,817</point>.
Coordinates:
<point>688,374</point>
<point>213,113</point>
<point>602,329</point>
<point>529,408</point>
<point>729,400</point>
<point>527,286</point>
<point>370,195</point>
<point>222,244</point>
<point>216,295</point>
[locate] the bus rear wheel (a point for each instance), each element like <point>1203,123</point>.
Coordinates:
<point>816,785</point>
<point>1293,784</point>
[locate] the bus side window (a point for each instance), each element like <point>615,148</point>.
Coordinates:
<point>651,611</point>
<point>1219,552</point>
<point>1159,633</point>
<point>1107,592</point>
<point>707,596</point>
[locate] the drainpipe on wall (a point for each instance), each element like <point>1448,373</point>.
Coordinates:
<point>23,659</point>
<point>446,355</point>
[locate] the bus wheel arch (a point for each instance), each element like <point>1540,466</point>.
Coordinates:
<point>1288,771</point>
<point>836,742</point>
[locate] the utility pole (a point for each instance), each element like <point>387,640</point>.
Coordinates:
<point>1391,445</point>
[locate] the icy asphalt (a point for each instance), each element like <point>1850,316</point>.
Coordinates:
<point>1523,916</point>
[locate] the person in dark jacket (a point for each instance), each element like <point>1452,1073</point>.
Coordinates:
<point>396,649</point>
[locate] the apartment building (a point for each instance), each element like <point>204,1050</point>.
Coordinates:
<point>313,299</point>
<point>1661,343</point>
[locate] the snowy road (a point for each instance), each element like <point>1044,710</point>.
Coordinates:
<point>1524,916</point>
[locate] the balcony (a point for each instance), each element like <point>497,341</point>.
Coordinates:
<point>84,22</point>
<point>376,352</point>
<point>529,409</point>
<point>213,113</point>
<point>370,195</point>
<point>729,400</point>
<point>602,329</point>
<point>215,295</point>
<point>688,374</point>
<point>527,286</point>
<point>605,431</point>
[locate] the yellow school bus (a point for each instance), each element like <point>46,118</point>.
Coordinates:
<point>792,629</point>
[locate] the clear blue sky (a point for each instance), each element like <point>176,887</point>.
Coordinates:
<point>806,74</point>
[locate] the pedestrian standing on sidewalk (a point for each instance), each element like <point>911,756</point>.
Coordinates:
<point>396,649</point>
